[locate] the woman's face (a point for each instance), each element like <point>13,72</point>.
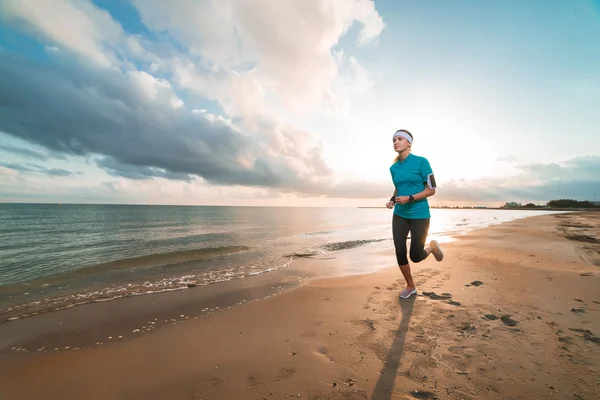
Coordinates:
<point>400,144</point>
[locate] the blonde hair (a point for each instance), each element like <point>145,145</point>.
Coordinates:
<point>409,146</point>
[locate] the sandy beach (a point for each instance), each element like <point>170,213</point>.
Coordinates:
<point>513,312</point>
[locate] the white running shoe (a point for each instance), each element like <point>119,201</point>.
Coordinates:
<point>436,250</point>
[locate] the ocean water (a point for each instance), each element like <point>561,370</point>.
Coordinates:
<point>56,256</point>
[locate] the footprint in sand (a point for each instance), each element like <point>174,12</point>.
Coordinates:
<point>421,394</point>
<point>509,321</point>
<point>322,351</point>
<point>252,380</point>
<point>587,335</point>
<point>285,373</point>
<point>435,296</point>
<point>369,324</point>
<point>467,328</point>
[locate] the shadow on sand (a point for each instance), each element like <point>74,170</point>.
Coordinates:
<point>385,384</point>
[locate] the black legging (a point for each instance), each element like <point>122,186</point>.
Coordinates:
<point>418,234</point>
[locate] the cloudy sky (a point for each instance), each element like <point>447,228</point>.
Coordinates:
<point>288,102</point>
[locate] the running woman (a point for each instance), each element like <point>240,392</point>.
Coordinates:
<point>414,182</point>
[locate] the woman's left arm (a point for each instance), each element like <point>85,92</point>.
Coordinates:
<point>417,196</point>
<point>428,181</point>
<point>424,194</point>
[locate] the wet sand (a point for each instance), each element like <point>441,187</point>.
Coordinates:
<point>513,312</point>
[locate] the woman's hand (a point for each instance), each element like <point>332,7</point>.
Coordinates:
<point>389,204</point>
<point>402,199</point>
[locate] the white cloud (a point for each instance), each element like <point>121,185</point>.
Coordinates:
<point>204,28</point>
<point>268,64</point>
<point>6,173</point>
<point>260,49</point>
<point>155,89</point>
<point>79,26</point>
<point>180,192</point>
<point>579,168</point>
<point>364,11</point>
<point>575,178</point>
<point>214,117</point>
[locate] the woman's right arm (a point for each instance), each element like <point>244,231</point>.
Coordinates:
<point>390,204</point>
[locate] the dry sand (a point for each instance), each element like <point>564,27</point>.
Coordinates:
<point>526,330</point>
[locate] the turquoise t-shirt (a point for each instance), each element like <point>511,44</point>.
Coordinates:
<point>410,177</point>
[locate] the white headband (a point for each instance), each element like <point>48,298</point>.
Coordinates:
<point>404,135</point>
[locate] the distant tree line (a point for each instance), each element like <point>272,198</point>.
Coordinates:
<point>561,203</point>
<point>568,203</point>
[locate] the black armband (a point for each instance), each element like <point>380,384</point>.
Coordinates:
<point>393,199</point>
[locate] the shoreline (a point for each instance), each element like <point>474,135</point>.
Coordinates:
<point>350,337</point>
<point>90,324</point>
<point>66,291</point>
<point>86,324</point>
